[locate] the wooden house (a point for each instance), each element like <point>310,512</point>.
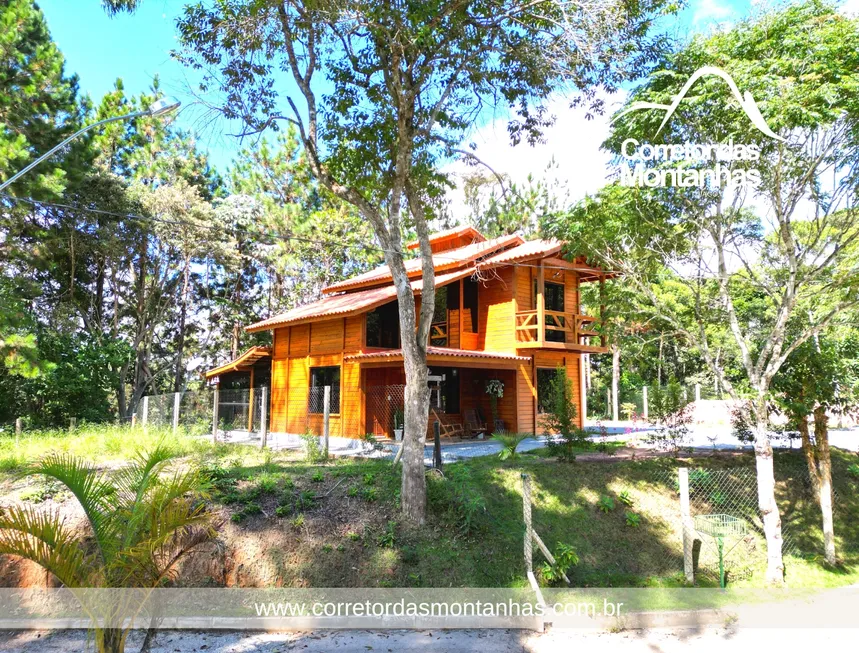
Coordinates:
<point>506,309</point>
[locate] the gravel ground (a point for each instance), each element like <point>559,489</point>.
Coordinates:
<point>702,640</point>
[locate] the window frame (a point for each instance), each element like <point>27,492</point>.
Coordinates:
<point>311,386</point>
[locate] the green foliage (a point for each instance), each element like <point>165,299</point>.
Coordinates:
<point>369,478</point>
<point>633,520</point>
<point>352,491</point>
<point>305,500</point>
<point>509,442</point>
<point>562,419</point>
<point>625,498</point>
<point>606,503</point>
<point>671,412</point>
<point>369,494</point>
<point>627,410</point>
<point>565,559</point>
<point>313,452</point>
<point>297,521</point>
<point>388,537</point>
<point>853,470</point>
<point>458,498</point>
<point>352,535</point>
<point>143,519</point>
<point>318,476</point>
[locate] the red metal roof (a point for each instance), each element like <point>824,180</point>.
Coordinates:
<point>439,351</point>
<point>455,232</point>
<point>446,260</point>
<point>528,250</point>
<point>246,360</point>
<point>346,304</point>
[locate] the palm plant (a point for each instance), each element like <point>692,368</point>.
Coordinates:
<point>143,519</point>
<point>509,443</point>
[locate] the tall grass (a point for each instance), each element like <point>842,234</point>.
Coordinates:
<point>95,442</point>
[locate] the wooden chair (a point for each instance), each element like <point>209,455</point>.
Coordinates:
<point>473,424</point>
<point>447,430</point>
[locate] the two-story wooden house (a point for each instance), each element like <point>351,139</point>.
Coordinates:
<point>506,309</point>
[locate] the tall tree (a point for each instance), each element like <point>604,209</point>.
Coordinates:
<point>791,246</point>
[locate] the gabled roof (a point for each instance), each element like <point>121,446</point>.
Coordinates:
<point>244,362</point>
<point>437,352</point>
<point>446,260</point>
<point>346,304</point>
<point>526,251</point>
<point>451,234</point>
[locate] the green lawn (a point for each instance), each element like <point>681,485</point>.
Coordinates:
<point>287,522</point>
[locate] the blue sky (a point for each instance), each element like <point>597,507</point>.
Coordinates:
<point>101,49</point>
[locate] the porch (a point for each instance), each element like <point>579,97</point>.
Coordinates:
<point>458,398</point>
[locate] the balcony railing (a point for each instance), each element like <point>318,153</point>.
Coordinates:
<point>556,327</point>
<point>438,334</point>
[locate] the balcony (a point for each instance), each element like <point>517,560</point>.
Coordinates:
<point>438,334</point>
<point>557,330</point>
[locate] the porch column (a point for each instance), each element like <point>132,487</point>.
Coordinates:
<point>541,305</point>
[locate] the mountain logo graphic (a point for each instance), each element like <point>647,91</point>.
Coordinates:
<point>747,102</point>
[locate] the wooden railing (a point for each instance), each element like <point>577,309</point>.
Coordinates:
<point>438,334</point>
<point>574,327</point>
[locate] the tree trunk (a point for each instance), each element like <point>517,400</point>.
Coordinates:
<point>416,413</point>
<point>824,463</point>
<point>178,378</point>
<point>766,494</point>
<point>810,457</point>
<point>615,381</point>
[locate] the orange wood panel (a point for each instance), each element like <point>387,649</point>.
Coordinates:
<point>496,321</point>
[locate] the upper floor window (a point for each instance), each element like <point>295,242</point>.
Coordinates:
<point>383,326</point>
<point>319,378</point>
<point>553,301</point>
<point>469,305</point>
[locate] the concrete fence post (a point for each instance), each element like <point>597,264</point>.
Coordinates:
<point>134,420</point>
<point>528,550</point>
<point>145,417</point>
<point>644,401</point>
<point>263,416</point>
<point>19,426</point>
<point>177,398</point>
<point>608,402</point>
<point>697,392</point>
<point>326,419</point>
<point>688,527</point>
<point>215,415</point>
<point>73,422</point>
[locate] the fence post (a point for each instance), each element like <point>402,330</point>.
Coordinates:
<point>263,416</point>
<point>608,403</point>
<point>19,426</point>
<point>688,529</point>
<point>177,397</point>
<point>133,420</point>
<point>215,414</point>
<point>526,516</point>
<point>326,417</point>
<point>697,392</point>
<point>73,422</point>
<point>644,401</point>
<point>145,418</point>
<point>436,447</point>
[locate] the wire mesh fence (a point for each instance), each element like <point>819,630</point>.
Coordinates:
<point>239,410</point>
<point>385,409</point>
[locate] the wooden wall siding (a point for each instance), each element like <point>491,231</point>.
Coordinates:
<point>453,338</point>
<point>526,394</point>
<point>299,340</point>
<point>278,394</point>
<point>571,292</point>
<point>354,336</point>
<point>327,337</point>
<point>525,289</point>
<point>496,319</point>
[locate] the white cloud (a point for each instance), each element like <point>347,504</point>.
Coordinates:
<point>573,142</point>
<point>849,7</point>
<point>711,10</point>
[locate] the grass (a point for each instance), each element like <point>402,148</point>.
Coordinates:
<point>620,518</point>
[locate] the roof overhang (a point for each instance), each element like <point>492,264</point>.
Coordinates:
<point>444,356</point>
<point>241,364</point>
<point>349,304</point>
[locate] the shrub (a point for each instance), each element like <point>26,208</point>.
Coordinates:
<point>627,410</point>
<point>606,503</point>
<point>313,452</point>
<point>352,535</point>
<point>267,483</point>
<point>632,519</point>
<point>625,498</point>
<point>565,559</point>
<point>318,476</point>
<point>369,478</point>
<point>562,418</point>
<point>305,500</point>
<point>388,537</point>
<point>369,494</point>
<point>352,491</point>
<point>283,511</point>
<point>297,521</point>
<point>853,470</point>
<point>509,442</point>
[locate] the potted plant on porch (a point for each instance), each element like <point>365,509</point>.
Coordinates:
<point>495,390</point>
<point>399,420</point>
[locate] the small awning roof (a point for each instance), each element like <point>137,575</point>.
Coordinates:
<point>347,304</point>
<point>450,234</point>
<point>440,354</point>
<point>529,250</point>
<point>241,364</point>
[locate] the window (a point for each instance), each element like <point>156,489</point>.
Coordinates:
<point>469,305</point>
<point>319,378</point>
<point>545,377</point>
<point>383,327</point>
<point>444,389</point>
